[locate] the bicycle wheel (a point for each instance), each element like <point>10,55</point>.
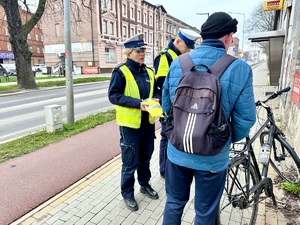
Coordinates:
<point>284,160</point>
<point>236,206</point>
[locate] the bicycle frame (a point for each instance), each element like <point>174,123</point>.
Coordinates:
<point>245,180</point>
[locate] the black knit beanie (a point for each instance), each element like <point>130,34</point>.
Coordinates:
<point>218,25</point>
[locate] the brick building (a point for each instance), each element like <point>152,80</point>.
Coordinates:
<point>34,40</point>
<point>98,30</point>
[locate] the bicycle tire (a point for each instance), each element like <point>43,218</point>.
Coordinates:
<point>236,187</point>
<point>287,166</point>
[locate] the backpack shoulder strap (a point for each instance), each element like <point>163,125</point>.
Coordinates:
<point>221,64</point>
<point>186,62</point>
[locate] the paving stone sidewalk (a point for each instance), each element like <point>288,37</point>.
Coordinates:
<point>96,198</point>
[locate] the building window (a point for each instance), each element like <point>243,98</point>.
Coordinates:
<point>4,15</point>
<point>41,25</point>
<point>29,36</point>
<point>131,12</point>
<point>124,9</point>
<point>131,32</point>
<point>79,30</point>
<point>150,38</point>
<point>103,3</point>
<point>109,55</point>
<point>57,31</point>
<point>145,17</point>
<point>145,37</point>
<point>38,50</point>
<point>111,28</point>
<point>148,58</point>
<point>36,37</point>
<point>150,19</point>
<point>104,27</point>
<point>124,32</point>
<point>6,31</point>
<point>139,15</point>
<point>8,46</point>
<point>110,4</point>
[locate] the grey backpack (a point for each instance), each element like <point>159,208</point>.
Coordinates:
<point>196,123</point>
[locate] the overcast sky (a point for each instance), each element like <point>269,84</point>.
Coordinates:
<point>187,11</point>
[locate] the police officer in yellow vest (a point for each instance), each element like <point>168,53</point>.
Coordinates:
<point>130,84</point>
<point>184,42</point>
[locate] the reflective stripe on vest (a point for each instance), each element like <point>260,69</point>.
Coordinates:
<point>131,117</point>
<point>163,67</point>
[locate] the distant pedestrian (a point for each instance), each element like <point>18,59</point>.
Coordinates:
<point>208,172</point>
<point>130,84</point>
<point>183,42</point>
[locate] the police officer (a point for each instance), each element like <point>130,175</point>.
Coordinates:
<point>184,42</point>
<point>130,84</point>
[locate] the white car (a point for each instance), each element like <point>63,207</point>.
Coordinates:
<point>38,67</point>
<point>8,68</point>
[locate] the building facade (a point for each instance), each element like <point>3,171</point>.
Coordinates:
<point>34,40</point>
<point>98,31</point>
<point>284,61</point>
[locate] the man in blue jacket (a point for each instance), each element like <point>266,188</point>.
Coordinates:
<point>238,105</point>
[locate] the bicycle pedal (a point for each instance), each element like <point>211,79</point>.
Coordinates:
<point>280,205</point>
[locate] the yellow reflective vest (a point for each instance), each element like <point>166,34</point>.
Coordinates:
<point>163,67</point>
<point>131,117</point>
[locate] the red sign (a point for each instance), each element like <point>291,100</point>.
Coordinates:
<point>273,4</point>
<point>90,70</point>
<point>296,90</point>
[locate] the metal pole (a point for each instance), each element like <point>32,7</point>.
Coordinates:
<point>92,32</point>
<point>203,14</point>
<point>68,67</point>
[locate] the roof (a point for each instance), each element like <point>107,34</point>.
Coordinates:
<point>265,36</point>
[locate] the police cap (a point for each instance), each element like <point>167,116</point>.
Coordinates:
<point>136,42</point>
<point>188,36</point>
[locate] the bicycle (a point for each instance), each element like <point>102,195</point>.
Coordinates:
<point>245,184</point>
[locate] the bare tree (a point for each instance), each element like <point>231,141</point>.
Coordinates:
<point>260,21</point>
<point>18,31</point>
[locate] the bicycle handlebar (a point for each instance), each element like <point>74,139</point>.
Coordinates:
<point>274,95</point>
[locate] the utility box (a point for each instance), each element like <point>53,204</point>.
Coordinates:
<point>53,116</point>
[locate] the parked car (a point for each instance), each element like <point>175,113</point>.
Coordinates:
<point>38,67</point>
<point>3,72</point>
<point>10,69</point>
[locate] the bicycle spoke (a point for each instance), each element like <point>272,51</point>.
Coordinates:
<point>234,206</point>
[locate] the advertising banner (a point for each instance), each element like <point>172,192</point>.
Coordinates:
<point>296,89</point>
<point>273,5</point>
<point>90,70</point>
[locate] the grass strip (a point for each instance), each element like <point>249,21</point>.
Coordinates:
<point>34,141</point>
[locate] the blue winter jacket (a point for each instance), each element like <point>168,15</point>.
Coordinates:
<point>237,102</point>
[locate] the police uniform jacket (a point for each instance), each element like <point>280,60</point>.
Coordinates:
<point>160,80</point>
<point>117,86</point>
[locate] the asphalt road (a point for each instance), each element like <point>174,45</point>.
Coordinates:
<point>22,114</point>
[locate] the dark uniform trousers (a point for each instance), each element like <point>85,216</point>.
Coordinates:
<point>163,148</point>
<point>208,191</point>
<point>137,146</point>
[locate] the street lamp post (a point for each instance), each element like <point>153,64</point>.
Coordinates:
<point>243,27</point>
<point>203,14</point>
